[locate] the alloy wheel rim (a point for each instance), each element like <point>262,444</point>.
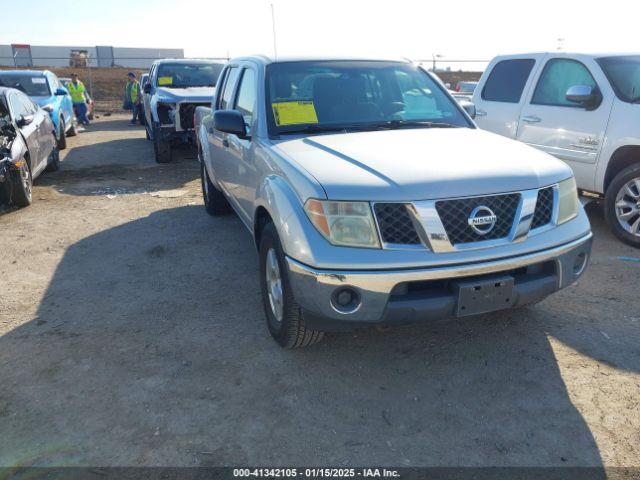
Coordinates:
<point>274,284</point>
<point>628,207</point>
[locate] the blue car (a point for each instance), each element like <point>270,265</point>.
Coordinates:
<point>45,89</point>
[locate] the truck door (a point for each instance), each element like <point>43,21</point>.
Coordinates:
<point>572,132</point>
<point>500,96</point>
<point>242,168</point>
<point>219,146</point>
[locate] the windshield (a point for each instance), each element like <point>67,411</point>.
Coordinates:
<point>183,75</point>
<point>328,95</point>
<point>624,75</point>
<point>32,85</point>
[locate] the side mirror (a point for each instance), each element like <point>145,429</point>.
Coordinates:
<point>469,107</point>
<point>60,92</point>
<point>147,88</point>
<point>24,120</point>
<point>230,121</point>
<point>583,95</point>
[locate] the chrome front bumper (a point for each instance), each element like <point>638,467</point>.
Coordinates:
<point>383,294</point>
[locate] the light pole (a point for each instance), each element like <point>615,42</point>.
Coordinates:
<point>273,24</point>
<point>433,58</point>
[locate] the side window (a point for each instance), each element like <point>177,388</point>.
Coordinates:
<point>558,75</point>
<point>247,93</point>
<point>507,80</point>
<point>227,90</point>
<point>17,107</point>
<point>28,105</point>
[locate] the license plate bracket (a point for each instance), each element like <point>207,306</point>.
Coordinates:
<point>484,296</point>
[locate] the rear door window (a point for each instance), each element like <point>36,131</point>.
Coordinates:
<point>507,80</point>
<point>558,76</point>
<point>227,91</point>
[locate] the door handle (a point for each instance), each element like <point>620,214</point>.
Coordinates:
<point>531,119</point>
<point>225,143</point>
<point>481,113</point>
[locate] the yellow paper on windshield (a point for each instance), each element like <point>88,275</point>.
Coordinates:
<point>165,81</point>
<point>294,113</point>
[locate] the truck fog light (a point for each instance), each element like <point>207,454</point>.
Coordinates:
<point>345,300</point>
<point>580,263</point>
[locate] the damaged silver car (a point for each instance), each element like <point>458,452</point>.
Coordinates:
<point>27,146</point>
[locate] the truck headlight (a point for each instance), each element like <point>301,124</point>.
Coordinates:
<point>344,223</point>
<point>567,200</point>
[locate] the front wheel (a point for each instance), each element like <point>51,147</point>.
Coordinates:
<point>622,205</point>
<point>61,138</point>
<point>285,318</point>
<point>22,185</point>
<point>162,148</point>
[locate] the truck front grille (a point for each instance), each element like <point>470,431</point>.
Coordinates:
<point>186,114</point>
<point>455,214</point>
<point>544,208</point>
<point>395,224</point>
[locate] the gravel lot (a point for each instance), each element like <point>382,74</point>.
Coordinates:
<point>131,333</point>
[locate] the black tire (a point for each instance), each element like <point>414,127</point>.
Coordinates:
<point>615,187</point>
<point>21,185</point>
<point>61,138</point>
<point>161,148</point>
<point>215,203</point>
<point>53,163</point>
<point>290,331</point>
<point>72,131</point>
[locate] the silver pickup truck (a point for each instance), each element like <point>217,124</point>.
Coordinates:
<point>374,199</point>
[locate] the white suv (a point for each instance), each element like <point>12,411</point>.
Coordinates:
<point>585,110</point>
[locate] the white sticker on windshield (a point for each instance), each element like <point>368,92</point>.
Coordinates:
<point>38,80</point>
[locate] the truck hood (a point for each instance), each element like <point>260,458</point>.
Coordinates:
<point>421,164</point>
<point>190,94</point>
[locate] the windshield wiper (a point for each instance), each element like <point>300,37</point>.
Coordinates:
<point>314,128</point>
<point>392,124</point>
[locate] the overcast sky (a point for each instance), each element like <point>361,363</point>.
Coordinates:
<point>476,29</point>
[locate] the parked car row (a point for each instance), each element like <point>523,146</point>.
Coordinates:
<point>27,145</point>
<point>36,117</point>
<point>46,90</point>
<point>371,194</point>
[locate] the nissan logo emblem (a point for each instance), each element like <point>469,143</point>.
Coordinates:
<point>482,220</point>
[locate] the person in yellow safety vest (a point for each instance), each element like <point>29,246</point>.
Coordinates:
<point>79,98</point>
<point>133,97</point>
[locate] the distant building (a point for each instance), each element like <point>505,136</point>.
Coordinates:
<point>24,55</point>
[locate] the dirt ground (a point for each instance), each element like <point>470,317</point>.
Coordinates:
<point>132,333</point>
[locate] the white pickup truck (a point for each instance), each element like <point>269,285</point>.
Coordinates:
<point>585,110</point>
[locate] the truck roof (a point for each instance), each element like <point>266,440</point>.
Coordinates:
<point>570,54</point>
<point>266,59</point>
<point>188,61</point>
